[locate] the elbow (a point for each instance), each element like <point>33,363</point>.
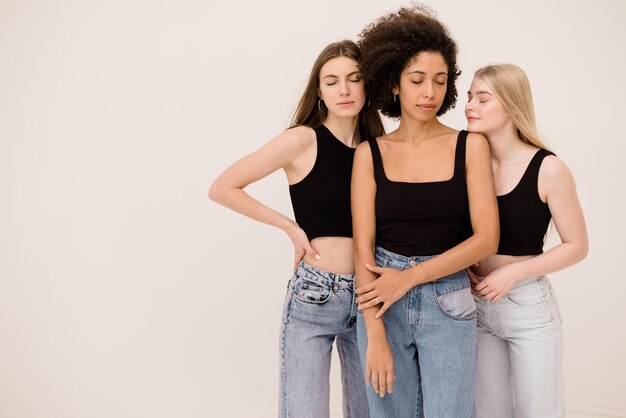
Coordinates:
<point>489,243</point>
<point>214,192</point>
<point>490,248</point>
<point>583,250</point>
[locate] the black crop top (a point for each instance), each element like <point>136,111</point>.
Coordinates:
<point>524,218</point>
<point>321,201</point>
<point>418,219</point>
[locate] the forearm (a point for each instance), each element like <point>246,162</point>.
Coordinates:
<point>364,253</point>
<point>240,201</point>
<point>555,259</point>
<point>463,255</point>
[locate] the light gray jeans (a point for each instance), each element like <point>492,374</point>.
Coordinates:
<point>520,352</point>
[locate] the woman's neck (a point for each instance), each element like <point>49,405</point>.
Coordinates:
<point>507,148</point>
<point>414,130</point>
<point>344,129</point>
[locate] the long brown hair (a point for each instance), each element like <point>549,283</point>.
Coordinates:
<point>312,112</point>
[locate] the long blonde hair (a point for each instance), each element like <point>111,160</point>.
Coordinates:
<point>511,87</point>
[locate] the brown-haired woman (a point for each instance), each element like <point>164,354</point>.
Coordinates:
<point>316,154</point>
<point>424,209</point>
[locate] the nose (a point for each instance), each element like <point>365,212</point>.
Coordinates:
<point>344,89</point>
<point>429,90</point>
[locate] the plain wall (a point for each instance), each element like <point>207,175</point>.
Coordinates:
<point>124,292</point>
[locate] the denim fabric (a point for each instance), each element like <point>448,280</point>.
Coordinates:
<point>432,333</point>
<point>319,308</point>
<point>520,352</point>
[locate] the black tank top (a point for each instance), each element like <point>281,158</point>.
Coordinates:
<point>524,218</point>
<point>321,201</point>
<point>417,219</point>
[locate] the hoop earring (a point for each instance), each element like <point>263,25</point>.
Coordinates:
<point>368,102</point>
<point>395,97</point>
<point>319,105</point>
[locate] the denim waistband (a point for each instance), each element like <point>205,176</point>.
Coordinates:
<point>529,280</point>
<point>385,255</point>
<point>524,282</point>
<point>328,277</point>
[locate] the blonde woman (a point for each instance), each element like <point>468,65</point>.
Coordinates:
<point>520,341</point>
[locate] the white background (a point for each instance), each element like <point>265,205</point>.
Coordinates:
<point>124,292</point>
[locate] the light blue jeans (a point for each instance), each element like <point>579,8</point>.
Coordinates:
<point>319,308</point>
<point>520,354</point>
<point>432,333</point>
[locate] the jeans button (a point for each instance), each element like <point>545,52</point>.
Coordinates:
<point>335,288</point>
<point>412,263</point>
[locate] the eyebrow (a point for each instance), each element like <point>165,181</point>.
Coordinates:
<point>423,73</point>
<point>336,76</point>
<point>480,92</point>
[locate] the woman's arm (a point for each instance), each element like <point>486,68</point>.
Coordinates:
<point>393,284</point>
<point>280,152</point>
<point>557,186</point>
<point>379,358</point>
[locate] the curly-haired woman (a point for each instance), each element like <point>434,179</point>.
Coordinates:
<point>316,154</point>
<point>520,340</point>
<point>423,209</point>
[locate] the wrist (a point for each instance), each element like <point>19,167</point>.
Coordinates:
<point>288,225</point>
<point>376,331</point>
<point>512,271</point>
<point>415,277</point>
<point>377,340</point>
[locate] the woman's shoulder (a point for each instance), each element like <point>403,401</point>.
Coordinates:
<point>300,133</point>
<point>476,144</point>
<point>476,139</point>
<point>553,169</point>
<point>296,138</point>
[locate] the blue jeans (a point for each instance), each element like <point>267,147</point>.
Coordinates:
<point>432,333</point>
<point>520,354</point>
<point>319,308</point>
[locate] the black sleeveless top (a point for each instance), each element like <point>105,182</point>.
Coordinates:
<point>418,219</point>
<point>524,218</point>
<point>321,201</point>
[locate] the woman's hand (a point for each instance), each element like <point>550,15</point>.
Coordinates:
<point>379,366</point>
<point>474,280</point>
<point>386,290</point>
<point>301,244</point>
<point>495,285</point>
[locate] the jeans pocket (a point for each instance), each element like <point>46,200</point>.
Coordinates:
<point>458,304</point>
<point>454,296</point>
<point>308,290</point>
<point>530,294</point>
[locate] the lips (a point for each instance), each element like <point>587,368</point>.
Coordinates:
<point>345,103</point>
<point>470,118</point>
<point>427,107</point>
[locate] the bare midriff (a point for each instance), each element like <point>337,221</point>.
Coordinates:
<point>336,254</point>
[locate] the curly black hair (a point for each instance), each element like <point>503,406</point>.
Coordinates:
<point>390,43</point>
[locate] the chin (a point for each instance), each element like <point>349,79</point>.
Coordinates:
<point>347,113</point>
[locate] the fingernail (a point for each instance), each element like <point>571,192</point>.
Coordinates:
<point>317,257</point>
